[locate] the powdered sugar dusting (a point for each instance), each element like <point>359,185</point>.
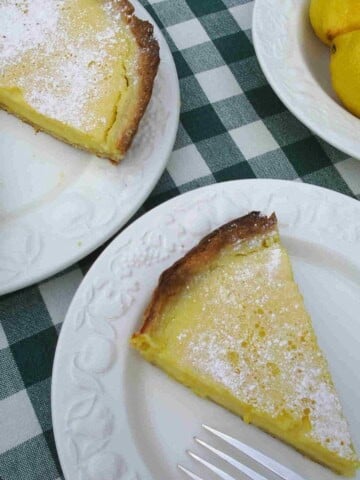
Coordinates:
<point>25,25</point>
<point>69,68</point>
<point>274,261</point>
<point>253,337</point>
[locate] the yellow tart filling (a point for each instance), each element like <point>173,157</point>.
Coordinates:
<point>69,68</point>
<point>236,331</point>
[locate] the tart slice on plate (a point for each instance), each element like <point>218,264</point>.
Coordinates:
<point>81,70</point>
<point>228,321</point>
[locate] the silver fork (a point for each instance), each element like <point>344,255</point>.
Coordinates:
<point>267,462</point>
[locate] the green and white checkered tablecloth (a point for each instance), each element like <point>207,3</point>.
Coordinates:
<point>232,126</point>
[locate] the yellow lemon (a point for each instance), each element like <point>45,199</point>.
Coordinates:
<point>345,70</point>
<point>331,18</point>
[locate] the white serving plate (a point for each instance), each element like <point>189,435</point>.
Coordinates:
<point>57,203</point>
<point>297,66</point>
<point>115,416</point>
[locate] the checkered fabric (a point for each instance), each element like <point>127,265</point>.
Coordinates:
<point>232,126</point>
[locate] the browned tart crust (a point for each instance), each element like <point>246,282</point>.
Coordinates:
<point>172,279</point>
<point>148,63</point>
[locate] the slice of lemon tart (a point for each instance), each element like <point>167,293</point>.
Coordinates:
<point>81,70</point>
<point>228,321</point>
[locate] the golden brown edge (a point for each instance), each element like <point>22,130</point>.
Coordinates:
<point>148,63</point>
<point>172,279</point>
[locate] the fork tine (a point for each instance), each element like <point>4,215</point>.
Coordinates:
<point>242,468</point>
<point>211,467</point>
<point>275,467</point>
<point>189,473</point>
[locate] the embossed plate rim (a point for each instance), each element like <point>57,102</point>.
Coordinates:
<point>52,249</point>
<point>90,383</point>
<point>334,124</point>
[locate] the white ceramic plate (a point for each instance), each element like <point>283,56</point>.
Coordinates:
<point>57,203</point>
<point>296,64</point>
<point>115,416</point>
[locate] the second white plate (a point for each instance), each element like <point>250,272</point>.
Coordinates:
<point>57,203</point>
<point>117,417</point>
<point>296,64</point>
